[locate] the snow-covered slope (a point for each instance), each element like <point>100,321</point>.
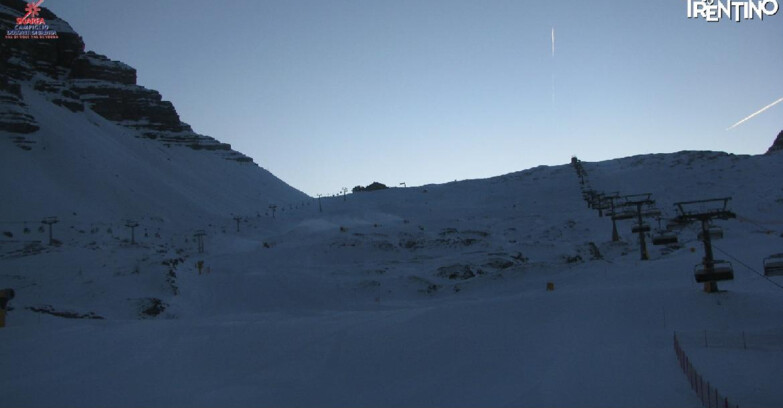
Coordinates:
<point>79,138</point>
<point>85,164</point>
<point>428,296</point>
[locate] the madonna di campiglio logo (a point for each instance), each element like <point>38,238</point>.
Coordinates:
<point>31,26</point>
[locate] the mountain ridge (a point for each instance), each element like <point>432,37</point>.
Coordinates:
<point>777,145</point>
<point>79,79</point>
<point>88,136</point>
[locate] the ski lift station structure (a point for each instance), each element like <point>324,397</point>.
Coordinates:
<point>710,271</point>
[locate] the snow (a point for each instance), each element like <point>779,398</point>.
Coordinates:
<point>346,306</point>
<point>104,172</point>
<point>103,61</point>
<point>99,84</point>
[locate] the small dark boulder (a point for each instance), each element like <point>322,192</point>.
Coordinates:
<point>5,296</point>
<point>456,272</point>
<point>151,307</point>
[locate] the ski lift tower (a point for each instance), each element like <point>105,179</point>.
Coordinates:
<point>320,209</point>
<point>710,271</point>
<point>50,221</point>
<point>590,196</point>
<point>580,170</point>
<point>199,235</point>
<point>600,204</point>
<point>608,204</point>
<point>132,225</point>
<point>645,207</point>
<point>604,202</point>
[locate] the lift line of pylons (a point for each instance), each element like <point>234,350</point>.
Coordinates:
<point>705,212</point>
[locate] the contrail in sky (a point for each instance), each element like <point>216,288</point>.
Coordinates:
<point>553,71</point>
<point>755,114</point>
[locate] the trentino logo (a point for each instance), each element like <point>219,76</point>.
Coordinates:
<point>715,10</point>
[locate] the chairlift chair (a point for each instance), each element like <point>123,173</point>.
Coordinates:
<point>773,265</point>
<point>625,214</point>
<point>640,228</point>
<point>664,238</point>
<point>714,231</point>
<point>675,224</point>
<point>721,270</point>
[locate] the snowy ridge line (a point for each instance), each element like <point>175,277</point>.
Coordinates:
<point>709,396</point>
<point>748,266</point>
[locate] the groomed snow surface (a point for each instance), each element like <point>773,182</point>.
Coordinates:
<point>426,296</point>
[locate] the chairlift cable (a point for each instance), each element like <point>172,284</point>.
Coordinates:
<point>749,221</point>
<point>748,266</point>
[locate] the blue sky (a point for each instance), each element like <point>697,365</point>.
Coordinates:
<point>337,93</point>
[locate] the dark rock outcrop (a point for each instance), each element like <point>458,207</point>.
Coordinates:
<point>95,66</point>
<point>14,116</point>
<point>458,272</point>
<point>47,309</point>
<point>72,78</point>
<point>22,59</point>
<point>778,144</point>
<point>151,307</point>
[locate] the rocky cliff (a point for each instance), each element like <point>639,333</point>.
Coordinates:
<point>778,145</point>
<point>78,80</point>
